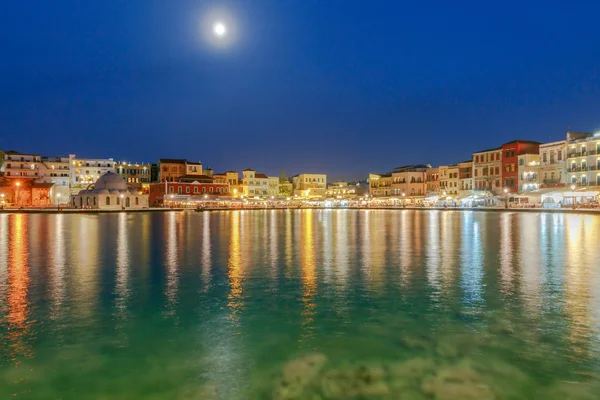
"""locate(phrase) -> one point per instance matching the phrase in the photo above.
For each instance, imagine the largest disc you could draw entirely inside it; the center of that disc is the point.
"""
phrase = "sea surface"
(300, 304)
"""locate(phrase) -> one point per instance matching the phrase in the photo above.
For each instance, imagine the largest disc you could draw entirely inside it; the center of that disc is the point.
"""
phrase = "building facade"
(583, 159)
(136, 175)
(432, 181)
(452, 182)
(57, 170)
(85, 171)
(529, 172)
(253, 184)
(510, 161)
(21, 166)
(552, 171)
(487, 174)
(110, 192)
(188, 188)
(409, 180)
(310, 185)
(171, 169)
(273, 184)
(380, 185)
(465, 177)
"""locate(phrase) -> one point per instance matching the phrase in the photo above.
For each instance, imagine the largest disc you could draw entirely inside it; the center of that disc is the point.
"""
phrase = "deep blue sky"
(340, 86)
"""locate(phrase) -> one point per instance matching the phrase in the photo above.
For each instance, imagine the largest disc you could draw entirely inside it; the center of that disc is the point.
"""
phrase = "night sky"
(337, 86)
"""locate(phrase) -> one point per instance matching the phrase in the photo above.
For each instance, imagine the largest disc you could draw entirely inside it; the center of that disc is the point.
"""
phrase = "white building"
(552, 171)
(85, 171)
(529, 172)
(583, 159)
(57, 170)
(16, 165)
(110, 192)
(253, 184)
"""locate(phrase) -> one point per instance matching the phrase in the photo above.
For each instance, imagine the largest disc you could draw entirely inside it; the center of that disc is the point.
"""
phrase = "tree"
(282, 177)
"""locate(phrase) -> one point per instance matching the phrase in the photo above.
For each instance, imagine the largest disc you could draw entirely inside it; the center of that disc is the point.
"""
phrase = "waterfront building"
(154, 173)
(171, 169)
(57, 170)
(510, 161)
(432, 181)
(529, 172)
(85, 171)
(380, 185)
(552, 171)
(253, 184)
(136, 175)
(465, 178)
(409, 180)
(273, 186)
(443, 170)
(487, 174)
(17, 192)
(188, 188)
(309, 185)
(452, 182)
(110, 192)
(344, 190)
(583, 159)
(21, 166)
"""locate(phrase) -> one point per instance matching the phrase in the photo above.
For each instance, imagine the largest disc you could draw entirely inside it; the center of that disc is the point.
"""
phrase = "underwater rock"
(365, 381)
(455, 382)
(417, 368)
(572, 391)
(298, 375)
(415, 342)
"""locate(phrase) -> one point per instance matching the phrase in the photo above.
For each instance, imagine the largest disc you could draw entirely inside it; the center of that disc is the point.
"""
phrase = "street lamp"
(505, 197)
(2, 201)
(122, 203)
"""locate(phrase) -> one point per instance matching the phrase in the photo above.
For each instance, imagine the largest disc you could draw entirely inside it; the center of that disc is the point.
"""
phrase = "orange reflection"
(309, 278)
(172, 262)
(18, 281)
(235, 273)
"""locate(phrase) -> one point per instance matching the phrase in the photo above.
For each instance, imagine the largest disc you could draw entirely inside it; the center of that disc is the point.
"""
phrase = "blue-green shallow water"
(300, 305)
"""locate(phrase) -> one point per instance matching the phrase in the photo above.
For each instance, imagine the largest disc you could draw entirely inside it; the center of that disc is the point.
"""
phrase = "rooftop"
(485, 151)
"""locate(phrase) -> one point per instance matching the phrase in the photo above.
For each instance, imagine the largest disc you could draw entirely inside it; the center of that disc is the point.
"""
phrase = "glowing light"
(219, 29)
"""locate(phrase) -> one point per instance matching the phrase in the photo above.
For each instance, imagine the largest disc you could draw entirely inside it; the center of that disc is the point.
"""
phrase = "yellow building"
(309, 185)
(380, 185)
(409, 180)
(136, 175)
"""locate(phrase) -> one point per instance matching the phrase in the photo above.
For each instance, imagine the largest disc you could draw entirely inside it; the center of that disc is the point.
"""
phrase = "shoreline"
(163, 210)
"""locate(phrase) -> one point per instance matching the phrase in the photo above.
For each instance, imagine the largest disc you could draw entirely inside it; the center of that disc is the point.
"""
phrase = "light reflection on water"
(179, 301)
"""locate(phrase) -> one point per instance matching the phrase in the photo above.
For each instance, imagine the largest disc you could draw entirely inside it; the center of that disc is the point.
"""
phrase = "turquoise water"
(302, 304)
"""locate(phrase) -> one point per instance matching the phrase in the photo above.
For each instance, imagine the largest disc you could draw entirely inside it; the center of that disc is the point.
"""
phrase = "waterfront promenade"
(68, 210)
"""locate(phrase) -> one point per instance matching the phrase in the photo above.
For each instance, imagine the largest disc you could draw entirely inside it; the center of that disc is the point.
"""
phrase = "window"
(137, 201)
(94, 200)
(107, 201)
(187, 189)
(170, 189)
(522, 162)
(127, 202)
(204, 190)
(179, 190)
(118, 200)
(497, 170)
(210, 189)
(512, 167)
(195, 189)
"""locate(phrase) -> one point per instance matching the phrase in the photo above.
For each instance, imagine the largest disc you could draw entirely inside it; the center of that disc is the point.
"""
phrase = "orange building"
(510, 161)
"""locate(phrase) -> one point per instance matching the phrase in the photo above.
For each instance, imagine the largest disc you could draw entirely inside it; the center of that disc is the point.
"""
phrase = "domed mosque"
(110, 192)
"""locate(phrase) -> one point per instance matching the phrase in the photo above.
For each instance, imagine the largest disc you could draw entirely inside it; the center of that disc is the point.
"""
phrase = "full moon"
(219, 29)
